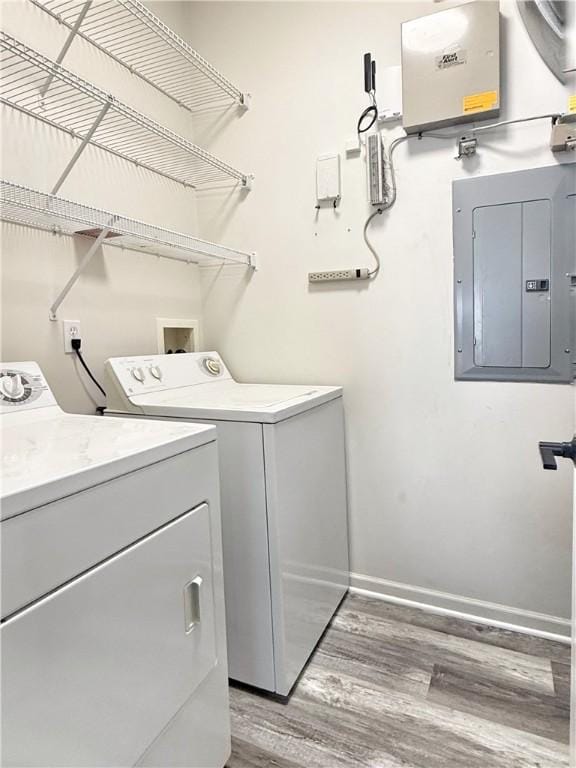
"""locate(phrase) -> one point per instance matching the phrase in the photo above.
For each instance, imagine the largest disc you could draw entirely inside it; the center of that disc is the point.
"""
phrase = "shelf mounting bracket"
(87, 258)
(72, 34)
(83, 144)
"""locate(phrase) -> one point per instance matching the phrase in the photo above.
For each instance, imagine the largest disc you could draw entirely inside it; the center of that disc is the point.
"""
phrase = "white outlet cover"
(328, 177)
(70, 330)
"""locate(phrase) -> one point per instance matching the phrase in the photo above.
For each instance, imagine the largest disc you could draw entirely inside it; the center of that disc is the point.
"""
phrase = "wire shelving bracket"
(87, 113)
(138, 40)
(23, 205)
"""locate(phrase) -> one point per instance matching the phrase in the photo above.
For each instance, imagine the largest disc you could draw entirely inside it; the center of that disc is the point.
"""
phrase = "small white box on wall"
(390, 94)
(328, 177)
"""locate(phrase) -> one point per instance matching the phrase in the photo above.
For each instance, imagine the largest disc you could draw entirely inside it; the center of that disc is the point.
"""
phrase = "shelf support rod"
(83, 144)
(72, 34)
(78, 271)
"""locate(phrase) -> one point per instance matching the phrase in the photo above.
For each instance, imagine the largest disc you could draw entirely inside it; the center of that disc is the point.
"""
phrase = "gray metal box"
(515, 275)
(451, 66)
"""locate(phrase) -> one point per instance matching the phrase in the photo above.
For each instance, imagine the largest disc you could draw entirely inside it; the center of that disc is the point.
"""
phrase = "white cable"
(512, 122)
(389, 162)
(388, 159)
(388, 204)
(465, 131)
(391, 173)
(391, 198)
(371, 248)
(396, 142)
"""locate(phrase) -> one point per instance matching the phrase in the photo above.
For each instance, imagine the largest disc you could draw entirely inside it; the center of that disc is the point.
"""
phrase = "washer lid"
(230, 401)
(48, 454)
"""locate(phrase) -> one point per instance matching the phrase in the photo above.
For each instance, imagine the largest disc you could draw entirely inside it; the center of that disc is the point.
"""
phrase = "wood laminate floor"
(395, 687)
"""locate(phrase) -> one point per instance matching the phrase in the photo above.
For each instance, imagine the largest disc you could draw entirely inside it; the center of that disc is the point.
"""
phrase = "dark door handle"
(549, 452)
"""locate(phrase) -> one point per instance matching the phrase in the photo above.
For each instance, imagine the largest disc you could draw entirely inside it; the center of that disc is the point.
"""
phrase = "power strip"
(339, 274)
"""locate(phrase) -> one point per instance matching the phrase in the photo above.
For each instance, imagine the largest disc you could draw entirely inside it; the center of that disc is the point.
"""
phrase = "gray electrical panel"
(515, 275)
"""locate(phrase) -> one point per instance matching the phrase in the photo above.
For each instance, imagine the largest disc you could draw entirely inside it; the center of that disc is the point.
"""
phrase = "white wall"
(121, 293)
(447, 494)
(446, 490)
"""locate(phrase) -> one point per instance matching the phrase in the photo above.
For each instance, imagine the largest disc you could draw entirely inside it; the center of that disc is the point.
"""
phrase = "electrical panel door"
(514, 258)
(512, 285)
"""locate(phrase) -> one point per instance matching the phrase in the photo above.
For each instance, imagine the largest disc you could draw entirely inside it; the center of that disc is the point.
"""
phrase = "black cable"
(89, 372)
(370, 89)
(373, 110)
(76, 347)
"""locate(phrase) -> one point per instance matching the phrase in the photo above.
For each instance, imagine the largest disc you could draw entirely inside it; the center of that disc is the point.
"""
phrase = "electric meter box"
(515, 276)
(451, 67)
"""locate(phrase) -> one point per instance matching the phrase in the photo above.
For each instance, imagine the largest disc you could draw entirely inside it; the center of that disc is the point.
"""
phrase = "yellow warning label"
(480, 102)
(572, 103)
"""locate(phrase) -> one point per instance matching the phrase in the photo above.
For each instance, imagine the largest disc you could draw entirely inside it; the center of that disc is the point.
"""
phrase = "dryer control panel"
(154, 373)
(22, 385)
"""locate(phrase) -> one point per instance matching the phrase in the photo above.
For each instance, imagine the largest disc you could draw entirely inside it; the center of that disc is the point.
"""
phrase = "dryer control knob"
(138, 374)
(13, 386)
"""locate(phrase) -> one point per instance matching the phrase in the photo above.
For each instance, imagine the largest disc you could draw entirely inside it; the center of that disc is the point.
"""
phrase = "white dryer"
(113, 627)
(284, 510)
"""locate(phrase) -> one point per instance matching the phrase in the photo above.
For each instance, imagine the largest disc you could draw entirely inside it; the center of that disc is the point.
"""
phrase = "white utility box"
(328, 178)
(451, 67)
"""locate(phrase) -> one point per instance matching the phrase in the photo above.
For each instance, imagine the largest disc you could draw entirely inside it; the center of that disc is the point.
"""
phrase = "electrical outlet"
(71, 330)
(338, 274)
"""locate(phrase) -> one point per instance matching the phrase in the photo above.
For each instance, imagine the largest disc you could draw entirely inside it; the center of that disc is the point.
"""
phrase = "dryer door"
(94, 671)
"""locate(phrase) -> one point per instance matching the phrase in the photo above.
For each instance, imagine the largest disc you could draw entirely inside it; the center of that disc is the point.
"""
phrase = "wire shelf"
(23, 205)
(137, 39)
(46, 91)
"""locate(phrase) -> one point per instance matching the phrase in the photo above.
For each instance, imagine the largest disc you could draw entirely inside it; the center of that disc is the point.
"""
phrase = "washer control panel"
(139, 375)
(22, 385)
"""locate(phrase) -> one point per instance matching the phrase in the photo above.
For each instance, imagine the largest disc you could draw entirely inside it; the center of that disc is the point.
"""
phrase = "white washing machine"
(113, 627)
(284, 510)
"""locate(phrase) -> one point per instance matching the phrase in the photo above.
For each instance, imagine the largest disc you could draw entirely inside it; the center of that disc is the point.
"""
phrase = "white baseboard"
(469, 609)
